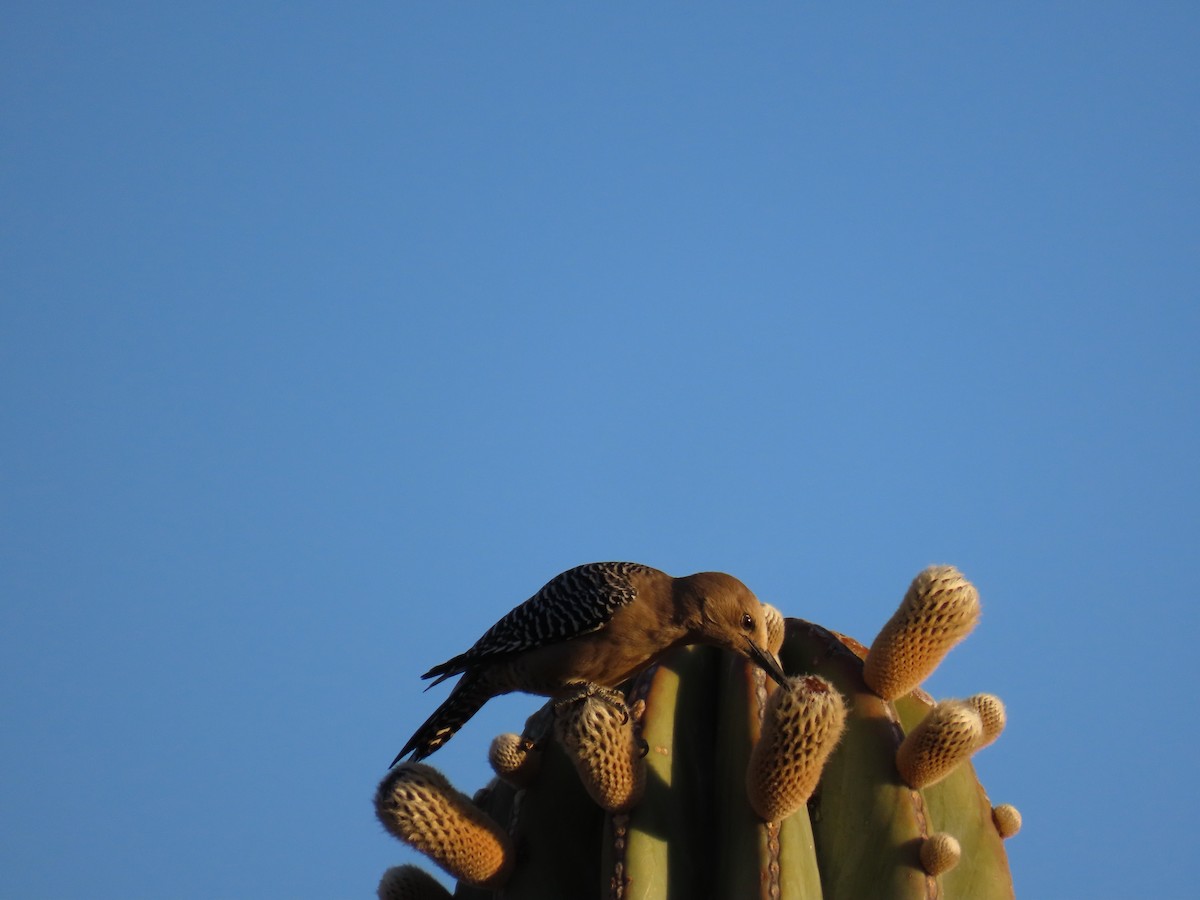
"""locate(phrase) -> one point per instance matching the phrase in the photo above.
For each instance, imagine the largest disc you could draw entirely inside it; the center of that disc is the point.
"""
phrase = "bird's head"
(724, 612)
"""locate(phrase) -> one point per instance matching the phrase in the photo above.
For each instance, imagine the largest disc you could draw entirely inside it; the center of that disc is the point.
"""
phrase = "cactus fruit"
(940, 853)
(808, 790)
(417, 804)
(515, 759)
(775, 628)
(991, 714)
(599, 739)
(1007, 819)
(802, 723)
(410, 883)
(939, 610)
(945, 737)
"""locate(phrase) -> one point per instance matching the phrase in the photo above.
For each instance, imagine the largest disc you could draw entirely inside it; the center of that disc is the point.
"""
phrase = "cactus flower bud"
(802, 723)
(419, 806)
(939, 610)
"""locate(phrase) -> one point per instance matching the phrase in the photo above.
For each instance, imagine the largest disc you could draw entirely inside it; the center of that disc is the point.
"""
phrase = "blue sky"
(329, 335)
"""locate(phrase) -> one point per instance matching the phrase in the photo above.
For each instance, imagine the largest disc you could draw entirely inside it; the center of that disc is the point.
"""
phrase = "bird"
(588, 630)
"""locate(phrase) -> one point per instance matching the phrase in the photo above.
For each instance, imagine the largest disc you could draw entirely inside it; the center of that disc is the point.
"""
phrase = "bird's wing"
(576, 602)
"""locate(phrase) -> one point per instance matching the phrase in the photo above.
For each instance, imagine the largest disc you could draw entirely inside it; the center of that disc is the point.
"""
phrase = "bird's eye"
(748, 621)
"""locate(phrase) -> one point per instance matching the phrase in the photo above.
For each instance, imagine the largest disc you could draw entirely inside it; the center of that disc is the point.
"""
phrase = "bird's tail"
(471, 692)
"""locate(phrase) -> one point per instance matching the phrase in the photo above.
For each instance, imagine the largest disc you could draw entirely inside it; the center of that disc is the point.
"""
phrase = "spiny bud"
(515, 759)
(939, 610)
(939, 853)
(945, 737)
(991, 713)
(419, 806)
(802, 723)
(410, 883)
(598, 737)
(775, 628)
(1007, 819)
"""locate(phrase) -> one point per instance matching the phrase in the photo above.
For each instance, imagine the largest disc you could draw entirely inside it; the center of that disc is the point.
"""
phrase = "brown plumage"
(594, 627)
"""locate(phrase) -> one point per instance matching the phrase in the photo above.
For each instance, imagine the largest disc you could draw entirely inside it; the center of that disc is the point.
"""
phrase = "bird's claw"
(621, 707)
(584, 692)
(616, 700)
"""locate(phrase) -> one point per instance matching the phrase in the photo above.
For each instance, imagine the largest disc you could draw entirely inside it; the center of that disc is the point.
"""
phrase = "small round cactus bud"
(410, 883)
(419, 806)
(775, 628)
(939, 610)
(945, 737)
(802, 723)
(939, 853)
(598, 737)
(637, 709)
(991, 713)
(515, 759)
(1007, 819)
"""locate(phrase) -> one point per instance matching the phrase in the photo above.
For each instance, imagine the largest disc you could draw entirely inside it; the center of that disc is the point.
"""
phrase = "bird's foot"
(539, 728)
(579, 693)
(616, 700)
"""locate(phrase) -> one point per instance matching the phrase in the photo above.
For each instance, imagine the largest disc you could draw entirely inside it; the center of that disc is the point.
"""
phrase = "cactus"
(719, 784)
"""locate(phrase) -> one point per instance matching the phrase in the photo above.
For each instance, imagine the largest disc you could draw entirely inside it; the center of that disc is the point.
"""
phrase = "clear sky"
(332, 331)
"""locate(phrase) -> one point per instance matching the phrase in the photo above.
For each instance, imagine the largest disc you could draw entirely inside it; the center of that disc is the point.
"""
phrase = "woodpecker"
(590, 629)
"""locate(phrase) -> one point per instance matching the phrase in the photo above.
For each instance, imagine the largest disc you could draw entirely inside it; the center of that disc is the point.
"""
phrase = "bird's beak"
(765, 661)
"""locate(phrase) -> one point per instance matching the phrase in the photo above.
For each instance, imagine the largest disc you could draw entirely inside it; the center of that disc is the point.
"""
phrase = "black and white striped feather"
(578, 601)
